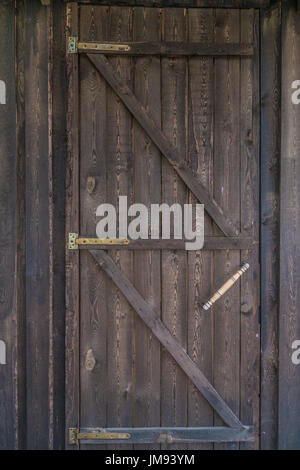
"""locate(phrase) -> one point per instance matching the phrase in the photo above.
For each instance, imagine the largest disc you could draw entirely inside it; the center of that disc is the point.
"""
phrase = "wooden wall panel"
(289, 324)
(270, 174)
(38, 241)
(10, 261)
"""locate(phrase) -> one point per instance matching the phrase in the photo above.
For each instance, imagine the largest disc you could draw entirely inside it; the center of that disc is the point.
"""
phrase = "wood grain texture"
(270, 178)
(250, 164)
(119, 172)
(147, 190)
(38, 227)
(200, 133)
(58, 121)
(165, 145)
(171, 49)
(72, 225)
(187, 3)
(227, 195)
(289, 325)
(174, 263)
(93, 299)
(8, 232)
(167, 339)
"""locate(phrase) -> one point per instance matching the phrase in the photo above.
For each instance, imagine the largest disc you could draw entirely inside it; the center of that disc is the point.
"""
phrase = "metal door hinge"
(75, 435)
(75, 46)
(74, 241)
(72, 45)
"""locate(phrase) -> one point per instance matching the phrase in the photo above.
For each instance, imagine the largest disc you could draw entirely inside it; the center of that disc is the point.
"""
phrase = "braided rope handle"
(225, 287)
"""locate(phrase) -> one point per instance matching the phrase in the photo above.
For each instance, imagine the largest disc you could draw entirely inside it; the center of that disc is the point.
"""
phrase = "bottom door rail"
(159, 435)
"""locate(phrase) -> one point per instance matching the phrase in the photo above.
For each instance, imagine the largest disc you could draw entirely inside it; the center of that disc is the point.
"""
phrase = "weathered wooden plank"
(270, 164)
(163, 143)
(147, 190)
(173, 190)
(72, 224)
(249, 137)
(227, 195)
(38, 227)
(119, 182)
(20, 325)
(210, 243)
(289, 324)
(172, 49)
(58, 118)
(166, 338)
(8, 230)
(171, 435)
(200, 135)
(93, 179)
(186, 3)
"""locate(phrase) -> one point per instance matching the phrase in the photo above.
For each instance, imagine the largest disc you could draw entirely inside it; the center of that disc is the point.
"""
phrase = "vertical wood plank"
(8, 228)
(72, 225)
(20, 325)
(200, 133)
(38, 228)
(93, 327)
(250, 164)
(270, 176)
(289, 324)
(58, 117)
(227, 194)
(119, 173)
(147, 189)
(174, 263)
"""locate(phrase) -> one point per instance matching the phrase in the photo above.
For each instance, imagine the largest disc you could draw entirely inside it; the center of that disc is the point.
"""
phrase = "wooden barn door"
(163, 107)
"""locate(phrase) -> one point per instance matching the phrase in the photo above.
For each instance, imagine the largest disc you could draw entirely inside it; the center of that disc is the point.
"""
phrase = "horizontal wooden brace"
(210, 243)
(180, 3)
(171, 49)
(167, 435)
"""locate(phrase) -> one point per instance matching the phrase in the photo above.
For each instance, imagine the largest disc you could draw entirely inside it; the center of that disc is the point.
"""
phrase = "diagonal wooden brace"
(190, 178)
(166, 338)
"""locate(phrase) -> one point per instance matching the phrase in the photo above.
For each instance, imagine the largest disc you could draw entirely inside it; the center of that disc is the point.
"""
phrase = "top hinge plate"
(72, 45)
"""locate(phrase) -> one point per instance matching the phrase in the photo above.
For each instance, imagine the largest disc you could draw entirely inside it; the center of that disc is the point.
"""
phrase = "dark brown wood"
(165, 337)
(147, 264)
(250, 144)
(174, 49)
(8, 233)
(58, 117)
(119, 165)
(93, 301)
(38, 227)
(20, 293)
(289, 325)
(72, 224)
(172, 435)
(270, 174)
(200, 263)
(185, 3)
(174, 264)
(210, 243)
(227, 183)
(163, 143)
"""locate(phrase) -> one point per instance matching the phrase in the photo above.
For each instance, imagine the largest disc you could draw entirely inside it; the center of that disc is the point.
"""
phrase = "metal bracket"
(72, 45)
(74, 241)
(75, 435)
